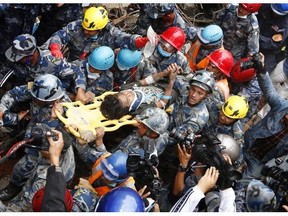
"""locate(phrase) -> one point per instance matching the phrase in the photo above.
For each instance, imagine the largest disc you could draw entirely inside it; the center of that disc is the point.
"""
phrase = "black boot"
(10, 191)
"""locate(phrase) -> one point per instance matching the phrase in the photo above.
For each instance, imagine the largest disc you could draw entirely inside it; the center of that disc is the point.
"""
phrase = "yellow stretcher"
(78, 117)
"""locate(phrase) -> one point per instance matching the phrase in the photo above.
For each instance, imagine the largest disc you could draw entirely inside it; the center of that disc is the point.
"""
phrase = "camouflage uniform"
(72, 35)
(134, 144)
(252, 92)
(101, 84)
(144, 21)
(157, 63)
(55, 19)
(47, 64)
(241, 35)
(234, 130)
(18, 19)
(184, 117)
(121, 77)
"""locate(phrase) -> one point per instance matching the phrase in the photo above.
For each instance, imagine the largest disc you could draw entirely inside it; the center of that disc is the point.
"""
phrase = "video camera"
(206, 150)
(277, 169)
(142, 169)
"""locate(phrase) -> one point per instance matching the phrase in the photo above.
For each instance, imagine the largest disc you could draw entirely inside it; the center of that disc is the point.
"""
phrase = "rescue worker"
(29, 173)
(160, 16)
(36, 61)
(167, 51)
(220, 64)
(273, 22)
(84, 35)
(151, 133)
(243, 82)
(189, 113)
(99, 78)
(125, 69)
(205, 41)
(244, 40)
(225, 118)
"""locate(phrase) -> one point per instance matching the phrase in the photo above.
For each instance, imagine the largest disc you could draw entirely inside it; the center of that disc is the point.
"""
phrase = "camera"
(206, 150)
(142, 169)
(183, 136)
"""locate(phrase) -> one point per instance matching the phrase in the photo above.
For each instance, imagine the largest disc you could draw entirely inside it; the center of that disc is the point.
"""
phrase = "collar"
(139, 97)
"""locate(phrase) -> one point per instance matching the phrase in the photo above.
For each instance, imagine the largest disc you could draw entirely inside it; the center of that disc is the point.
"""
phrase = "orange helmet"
(223, 59)
(175, 36)
(254, 7)
(243, 70)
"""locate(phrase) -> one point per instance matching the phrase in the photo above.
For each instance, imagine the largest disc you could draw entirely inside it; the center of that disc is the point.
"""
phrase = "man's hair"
(112, 108)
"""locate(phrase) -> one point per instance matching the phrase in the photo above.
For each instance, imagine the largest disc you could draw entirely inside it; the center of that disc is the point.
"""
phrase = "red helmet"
(223, 59)
(243, 70)
(174, 36)
(254, 7)
(38, 196)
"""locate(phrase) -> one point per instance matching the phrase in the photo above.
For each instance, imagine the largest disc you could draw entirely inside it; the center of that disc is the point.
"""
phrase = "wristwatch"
(181, 168)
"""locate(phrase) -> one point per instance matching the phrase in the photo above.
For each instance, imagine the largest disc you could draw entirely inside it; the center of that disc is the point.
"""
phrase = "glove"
(258, 65)
(55, 50)
(87, 135)
(140, 42)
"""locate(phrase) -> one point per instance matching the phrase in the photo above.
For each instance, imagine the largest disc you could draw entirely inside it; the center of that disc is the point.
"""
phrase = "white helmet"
(231, 146)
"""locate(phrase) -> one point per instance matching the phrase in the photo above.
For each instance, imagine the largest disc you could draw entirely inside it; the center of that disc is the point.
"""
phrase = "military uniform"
(72, 35)
(184, 117)
(157, 63)
(241, 35)
(97, 85)
(144, 21)
(234, 130)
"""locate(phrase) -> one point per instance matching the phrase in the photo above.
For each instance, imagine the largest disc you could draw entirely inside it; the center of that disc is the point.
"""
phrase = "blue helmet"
(127, 58)
(114, 166)
(158, 10)
(121, 199)
(102, 58)
(260, 197)
(280, 9)
(210, 35)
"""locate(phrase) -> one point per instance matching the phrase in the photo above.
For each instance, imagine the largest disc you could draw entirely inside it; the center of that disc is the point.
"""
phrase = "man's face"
(218, 75)
(90, 33)
(143, 130)
(242, 11)
(224, 120)
(195, 95)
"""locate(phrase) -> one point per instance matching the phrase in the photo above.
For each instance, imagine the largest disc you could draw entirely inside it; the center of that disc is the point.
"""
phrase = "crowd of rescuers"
(209, 109)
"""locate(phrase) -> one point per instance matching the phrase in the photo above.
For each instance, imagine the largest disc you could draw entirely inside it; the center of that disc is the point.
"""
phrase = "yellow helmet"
(95, 18)
(236, 107)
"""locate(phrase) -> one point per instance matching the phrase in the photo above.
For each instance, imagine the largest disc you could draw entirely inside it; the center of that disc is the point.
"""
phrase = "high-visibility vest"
(192, 54)
(96, 174)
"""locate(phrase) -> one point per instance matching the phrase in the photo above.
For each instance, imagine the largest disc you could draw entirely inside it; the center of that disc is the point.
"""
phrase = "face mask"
(120, 67)
(91, 75)
(94, 37)
(163, 52)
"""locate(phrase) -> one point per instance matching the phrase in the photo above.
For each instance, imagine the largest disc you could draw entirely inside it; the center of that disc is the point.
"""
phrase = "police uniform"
(241, 35)
(72, 35)
(234, 130)
(144, 21)
(100, 84)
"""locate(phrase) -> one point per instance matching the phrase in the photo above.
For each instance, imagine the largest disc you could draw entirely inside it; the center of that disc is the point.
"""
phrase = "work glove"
(258, 65)
(140, 42)
(55, 50)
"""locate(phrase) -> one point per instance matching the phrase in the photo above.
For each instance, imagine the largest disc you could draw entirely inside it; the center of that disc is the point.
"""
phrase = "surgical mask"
(91, 75)
(120, 67)
(163, 52)
(95, 37)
